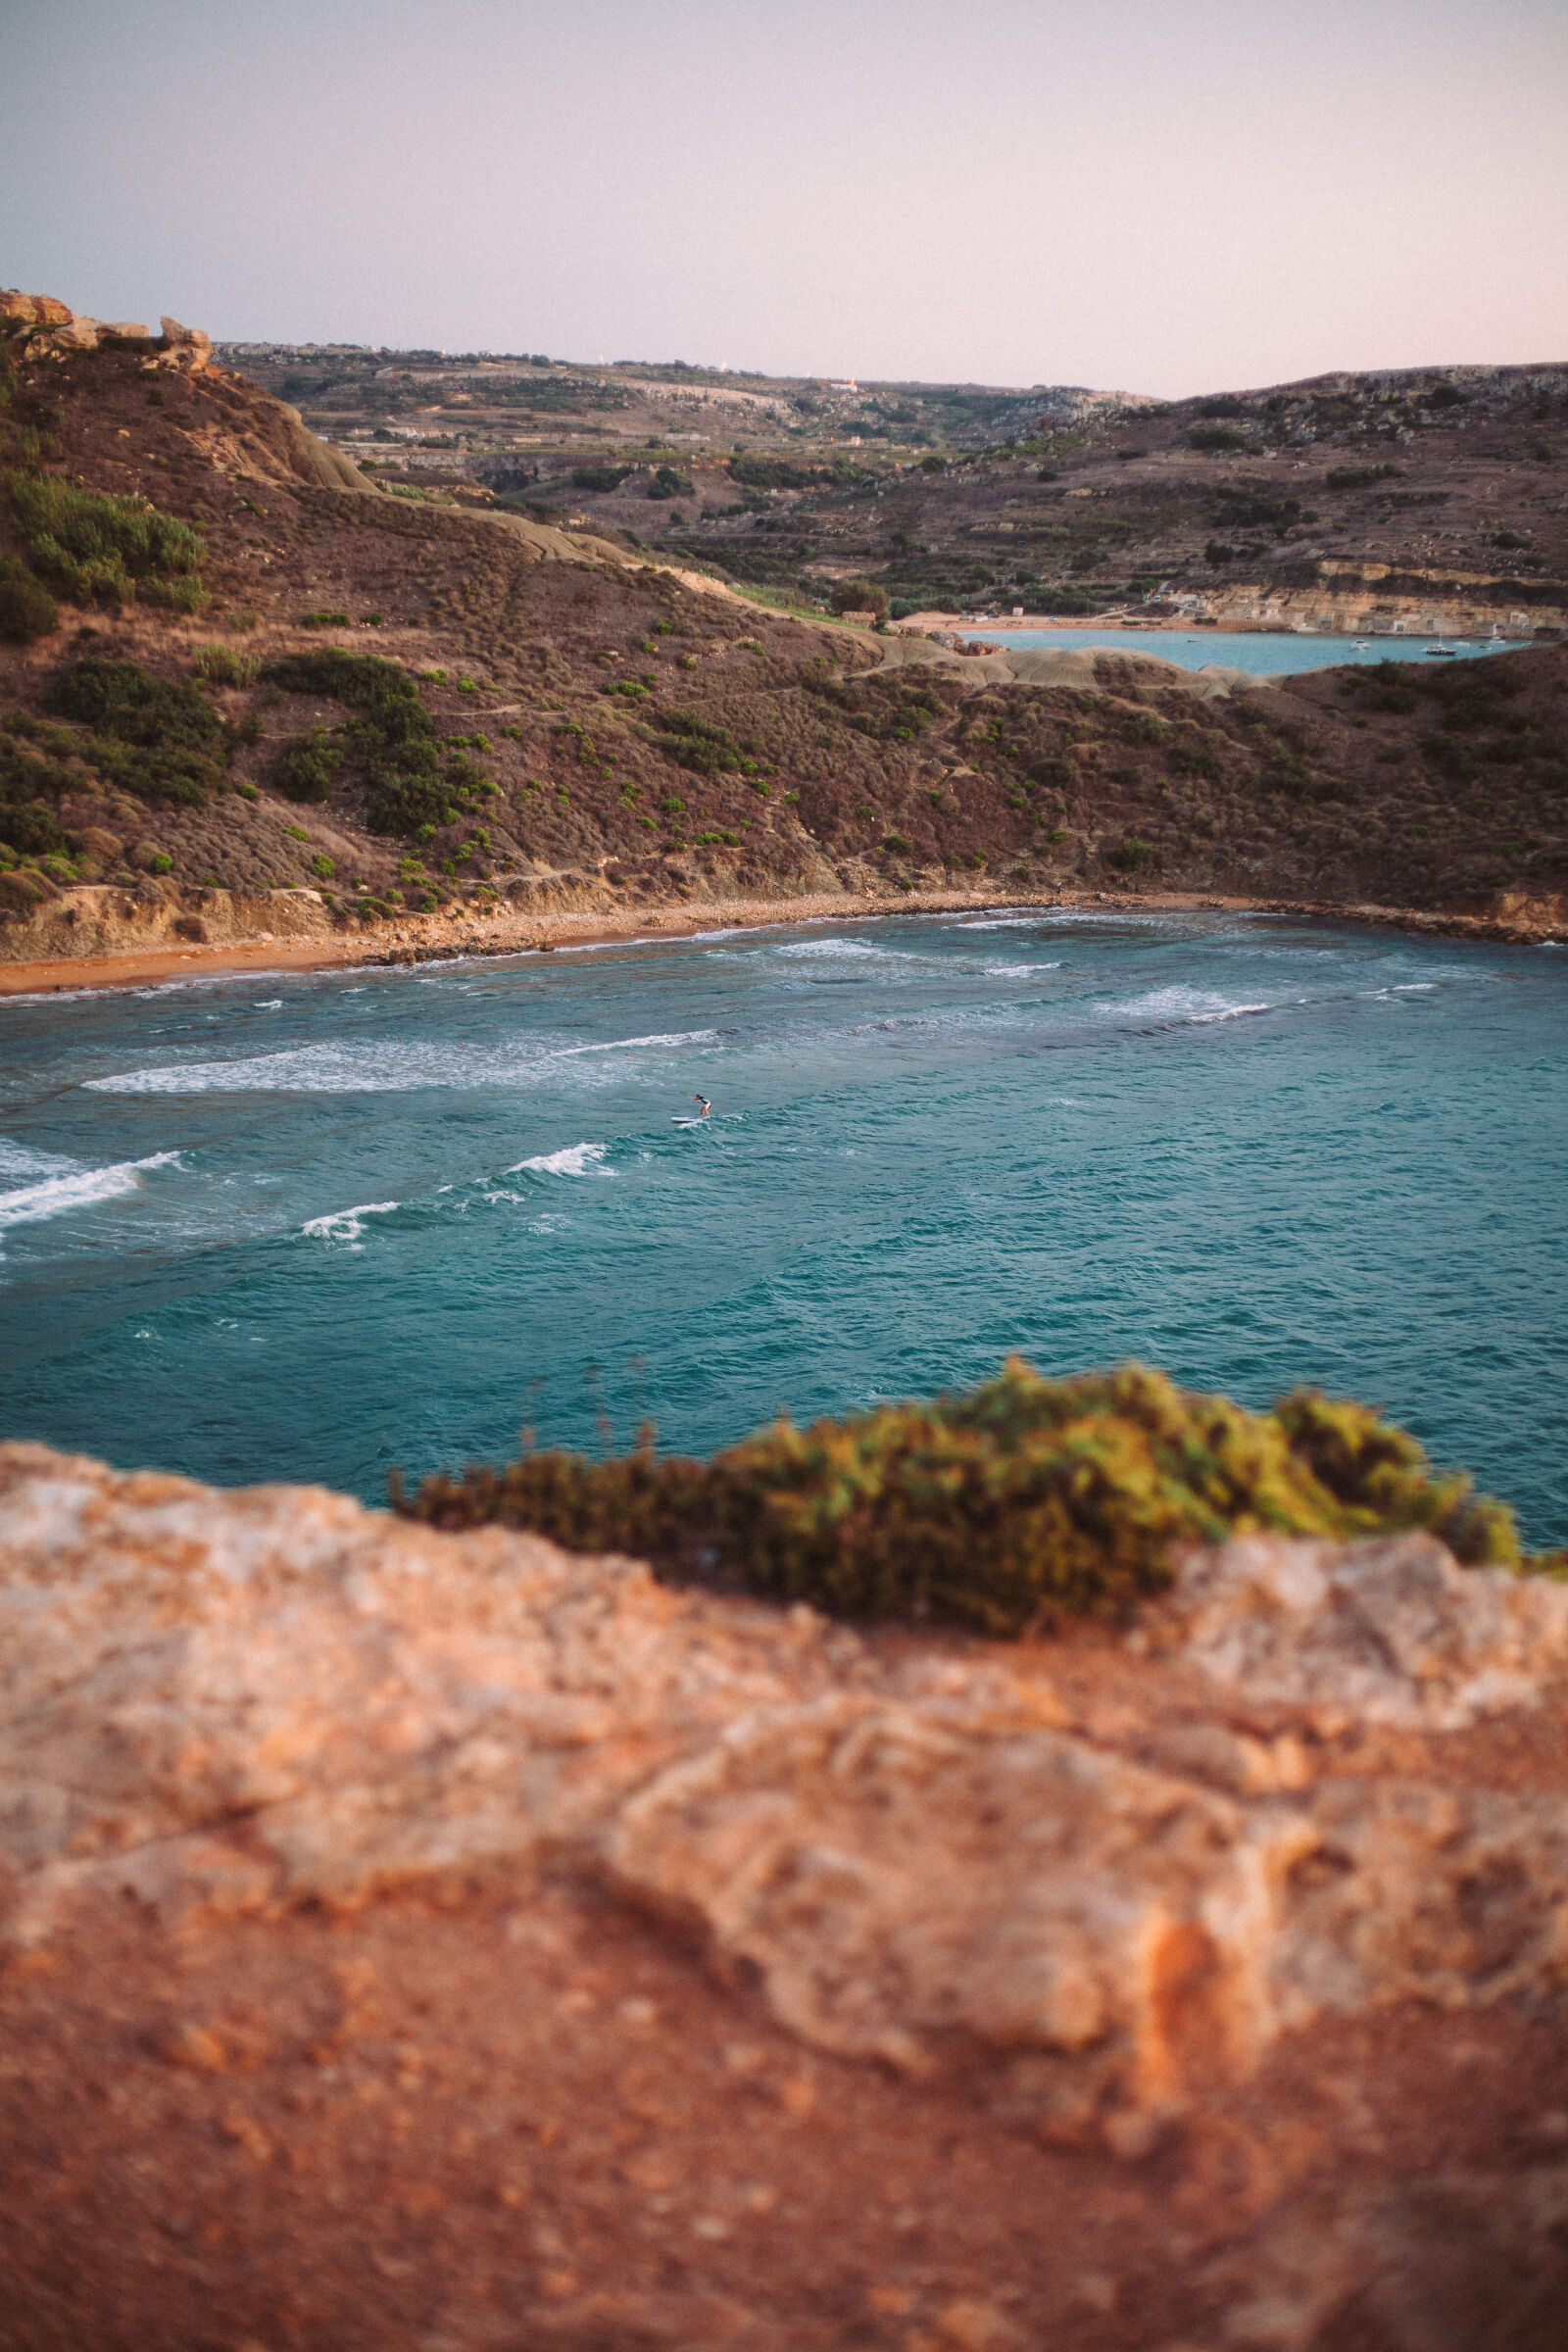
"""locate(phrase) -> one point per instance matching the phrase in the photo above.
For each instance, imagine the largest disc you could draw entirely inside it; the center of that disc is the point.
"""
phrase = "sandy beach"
(1528, 921)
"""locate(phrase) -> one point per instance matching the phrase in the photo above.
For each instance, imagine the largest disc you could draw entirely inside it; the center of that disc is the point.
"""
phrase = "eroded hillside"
(248, 692)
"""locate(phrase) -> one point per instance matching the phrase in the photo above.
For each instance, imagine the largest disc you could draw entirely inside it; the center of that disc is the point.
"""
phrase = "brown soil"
(518, 2114)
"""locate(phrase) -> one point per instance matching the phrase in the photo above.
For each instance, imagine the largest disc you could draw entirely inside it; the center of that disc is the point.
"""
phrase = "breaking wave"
(379, 1069)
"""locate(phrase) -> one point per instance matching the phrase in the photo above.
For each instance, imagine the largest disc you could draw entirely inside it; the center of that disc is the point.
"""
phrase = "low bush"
(28, 826)
(310, 766)
(671, 483)
(859, 596)
(777, 473)
(28, 611)
(696, 744)
(1132, 855)
(106, 549)
(598, 477)
(1212, 438)
(221, 665)
(393, 736)
(994, 1511)
(152, 736)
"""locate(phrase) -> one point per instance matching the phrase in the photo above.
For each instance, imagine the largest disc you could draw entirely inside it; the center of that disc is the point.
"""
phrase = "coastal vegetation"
(993, 1509)
(392, 737)
(106, 549)
(150, 736)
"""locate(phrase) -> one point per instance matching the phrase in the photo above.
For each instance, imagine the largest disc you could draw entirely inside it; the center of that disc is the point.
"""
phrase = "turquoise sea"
(309, 1227)
(1264, 652)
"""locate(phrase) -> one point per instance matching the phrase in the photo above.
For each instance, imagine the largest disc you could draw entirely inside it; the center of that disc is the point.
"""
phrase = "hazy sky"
(1135, 193)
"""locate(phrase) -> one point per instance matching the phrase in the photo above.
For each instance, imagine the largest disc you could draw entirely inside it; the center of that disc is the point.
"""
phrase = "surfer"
(704, 1106)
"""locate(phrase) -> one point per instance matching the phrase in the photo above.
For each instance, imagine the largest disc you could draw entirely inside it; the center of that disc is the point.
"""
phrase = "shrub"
(163, 741)
(993, 1509)
(310, 766)
(1359, 478)
(896, 843)
(1246, 509)
(772, 474)
(859, 596)
(1212, 438)
(28, 611)
(598, 477)
(393, 735)
(104, 550)
(325, 620)
(1128, 856)
(671, 483)
(693, 743)
(221, 665)
(28, 826)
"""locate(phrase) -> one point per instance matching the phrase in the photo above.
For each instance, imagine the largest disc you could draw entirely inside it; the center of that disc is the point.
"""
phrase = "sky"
(1133, 194)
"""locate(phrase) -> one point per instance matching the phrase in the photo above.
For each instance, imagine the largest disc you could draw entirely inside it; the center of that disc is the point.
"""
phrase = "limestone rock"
(910, 1863)
(1387, 1631)
(34, 309)
(188, 346)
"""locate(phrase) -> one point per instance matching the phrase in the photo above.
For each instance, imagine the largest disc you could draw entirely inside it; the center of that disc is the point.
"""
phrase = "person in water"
(704, 1106)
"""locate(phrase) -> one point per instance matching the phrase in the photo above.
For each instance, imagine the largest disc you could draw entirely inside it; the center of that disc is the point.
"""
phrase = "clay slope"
(604, 734)
(443, 1940)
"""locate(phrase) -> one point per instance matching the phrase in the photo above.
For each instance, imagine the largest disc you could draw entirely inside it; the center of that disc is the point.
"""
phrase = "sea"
(1266, 654)
(322, 1226)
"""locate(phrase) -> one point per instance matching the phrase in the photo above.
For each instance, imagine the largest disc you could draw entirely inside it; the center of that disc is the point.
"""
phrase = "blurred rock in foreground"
(442, 1941)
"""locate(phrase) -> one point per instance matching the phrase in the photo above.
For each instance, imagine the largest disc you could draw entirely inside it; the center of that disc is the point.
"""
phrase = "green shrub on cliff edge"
(992, 1509)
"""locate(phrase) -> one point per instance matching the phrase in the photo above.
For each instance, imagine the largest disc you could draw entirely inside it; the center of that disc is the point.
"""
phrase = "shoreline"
(1525, 924)
(1030, 624)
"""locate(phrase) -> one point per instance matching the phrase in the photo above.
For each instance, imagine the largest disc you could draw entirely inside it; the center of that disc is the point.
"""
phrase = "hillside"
(267, 696)
(1430, 495)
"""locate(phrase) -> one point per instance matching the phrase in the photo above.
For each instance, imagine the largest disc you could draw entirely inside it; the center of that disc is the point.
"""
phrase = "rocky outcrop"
(1100, 1891)
(41, 921)
(49, 327)
(904, 1854)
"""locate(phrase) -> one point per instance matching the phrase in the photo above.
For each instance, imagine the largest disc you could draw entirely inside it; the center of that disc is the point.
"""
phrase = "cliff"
(445, 1941)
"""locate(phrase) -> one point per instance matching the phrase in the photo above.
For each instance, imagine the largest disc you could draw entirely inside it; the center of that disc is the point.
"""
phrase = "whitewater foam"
(574, 1159)
(855, 948)
(347, 1224)
(1175, 1007)
(71, 1187)
(391, 1069)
